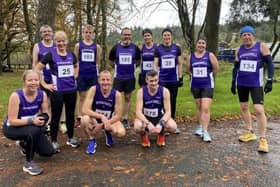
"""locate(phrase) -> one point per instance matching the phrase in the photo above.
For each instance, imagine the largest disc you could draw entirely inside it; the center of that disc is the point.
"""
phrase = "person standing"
(25, 124)
(88, 53)
(168, 63)
(153, 113)
(202, 66)
(64, 70)
(247, 77)
(125, 56)
(147, 56)
(102, 110)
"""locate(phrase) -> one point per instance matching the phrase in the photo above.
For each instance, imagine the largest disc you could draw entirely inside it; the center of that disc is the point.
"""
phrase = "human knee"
(259, 110)
(138, 125)
(85, 120)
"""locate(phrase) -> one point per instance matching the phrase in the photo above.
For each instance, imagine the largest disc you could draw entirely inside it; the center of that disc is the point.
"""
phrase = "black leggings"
(34, 138)
(173, 90)
(57, 100)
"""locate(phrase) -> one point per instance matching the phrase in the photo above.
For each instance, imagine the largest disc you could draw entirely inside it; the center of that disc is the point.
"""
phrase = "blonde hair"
(27, 72)
(60, 35)
(89, 27)
(45, 27)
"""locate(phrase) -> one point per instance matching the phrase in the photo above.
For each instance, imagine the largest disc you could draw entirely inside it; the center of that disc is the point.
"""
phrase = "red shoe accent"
(161, 140)
(145, 140)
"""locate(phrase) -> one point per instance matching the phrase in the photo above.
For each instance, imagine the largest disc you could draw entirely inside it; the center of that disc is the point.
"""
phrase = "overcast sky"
(162, 16)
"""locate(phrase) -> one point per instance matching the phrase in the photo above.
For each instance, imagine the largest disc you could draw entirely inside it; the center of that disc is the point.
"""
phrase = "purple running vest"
(87, 60)
(42, 52)
(28, 109)
(153, 104)
(147, 58)
(62, 71)
(168, 63)
(250, 72)
(104, 105)
(125, 61)
(201, 69)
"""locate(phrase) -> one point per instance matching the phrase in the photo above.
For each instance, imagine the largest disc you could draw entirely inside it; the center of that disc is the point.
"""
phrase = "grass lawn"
(225, 106)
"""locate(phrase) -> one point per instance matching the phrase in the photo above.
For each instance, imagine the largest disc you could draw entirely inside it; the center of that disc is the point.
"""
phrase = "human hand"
(268, 86)
(181, 82)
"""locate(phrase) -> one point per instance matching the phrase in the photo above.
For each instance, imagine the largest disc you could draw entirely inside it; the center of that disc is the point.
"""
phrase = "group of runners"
(101, 108)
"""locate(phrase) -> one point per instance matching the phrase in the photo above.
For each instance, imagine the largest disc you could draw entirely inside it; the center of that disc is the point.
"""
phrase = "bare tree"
(45, 15)
(212, 24)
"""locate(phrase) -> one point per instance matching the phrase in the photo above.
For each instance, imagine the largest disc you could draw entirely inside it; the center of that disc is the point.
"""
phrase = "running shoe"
(206, 137)
(177, 131)
(145, 140)
(73, 142)
(248, 136)
(263, 145)
(126, 124)
(32, 168)
(56, 147)
(91, 147)
(161, 140)
(199, 131)
(109, 138)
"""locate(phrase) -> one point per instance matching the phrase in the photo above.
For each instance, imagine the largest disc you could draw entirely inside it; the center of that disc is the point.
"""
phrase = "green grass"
(225, 105)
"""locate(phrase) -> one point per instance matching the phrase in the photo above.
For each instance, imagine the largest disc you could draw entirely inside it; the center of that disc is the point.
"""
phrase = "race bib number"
(151, 112)
(147, 65)
(87, 57)
(200, 72)
(248, 65)
(65, 71)
(106, 113)
(125, 59)
(168, 63)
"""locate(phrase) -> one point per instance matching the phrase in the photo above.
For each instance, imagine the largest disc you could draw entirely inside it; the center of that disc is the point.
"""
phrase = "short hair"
(166, 30)
(88, 26)
(60, 34)
(27, 72)
(151, 73)
(45, 26)
(125, 28)
(201, 38)
(147, 31)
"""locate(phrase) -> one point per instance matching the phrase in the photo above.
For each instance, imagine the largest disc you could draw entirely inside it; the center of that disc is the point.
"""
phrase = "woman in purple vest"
(64, 70)
(168, 63)
(23, 122)
(88, 54)
(147, 56)
(248, 76)
(103, 110)
(202, 66)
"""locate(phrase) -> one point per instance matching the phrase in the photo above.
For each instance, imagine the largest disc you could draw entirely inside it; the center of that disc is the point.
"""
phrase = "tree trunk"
(45, 15)
(103, 34)
(212, 24)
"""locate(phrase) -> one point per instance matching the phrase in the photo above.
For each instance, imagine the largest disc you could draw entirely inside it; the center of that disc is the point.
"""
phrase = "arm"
(76, 67)
(156, 60)
(267, 58)
(215, 64)
(139, 106)
(76, 50)
(118, 109)
(166, 103)
(45, 104)
(112, 55)
(35, 53)
(98, 54)
(188, 65)
(138, 56)
(180, 62)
